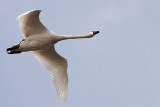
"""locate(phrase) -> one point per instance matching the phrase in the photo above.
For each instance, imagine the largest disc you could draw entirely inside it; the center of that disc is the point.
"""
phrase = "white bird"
(40, 41)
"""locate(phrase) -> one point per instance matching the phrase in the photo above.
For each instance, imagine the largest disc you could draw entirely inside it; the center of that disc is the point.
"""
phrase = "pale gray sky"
(120, 67)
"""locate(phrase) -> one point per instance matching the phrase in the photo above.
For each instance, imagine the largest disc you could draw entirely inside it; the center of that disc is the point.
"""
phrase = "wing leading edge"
(57, 65)
(30, 23)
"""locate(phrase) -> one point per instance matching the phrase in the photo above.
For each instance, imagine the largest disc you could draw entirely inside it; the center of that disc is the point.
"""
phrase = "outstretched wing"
(57, 65)
(30, 24)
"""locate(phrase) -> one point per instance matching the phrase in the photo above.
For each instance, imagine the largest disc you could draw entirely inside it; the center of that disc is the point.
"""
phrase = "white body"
(40, 41)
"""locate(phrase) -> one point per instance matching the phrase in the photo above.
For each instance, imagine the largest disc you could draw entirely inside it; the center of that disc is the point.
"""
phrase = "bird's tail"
(13, 49)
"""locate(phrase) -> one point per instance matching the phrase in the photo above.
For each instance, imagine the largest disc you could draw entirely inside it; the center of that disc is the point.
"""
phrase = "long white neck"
(89, 35)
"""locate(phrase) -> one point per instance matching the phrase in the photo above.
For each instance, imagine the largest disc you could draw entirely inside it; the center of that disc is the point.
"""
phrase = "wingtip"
(63, 98)
(34, 10)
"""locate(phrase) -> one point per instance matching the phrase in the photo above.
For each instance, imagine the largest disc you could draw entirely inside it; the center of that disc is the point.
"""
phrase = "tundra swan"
(40, 40)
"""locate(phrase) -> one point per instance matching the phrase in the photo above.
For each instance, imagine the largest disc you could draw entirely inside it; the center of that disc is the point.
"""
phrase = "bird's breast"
(38, 42)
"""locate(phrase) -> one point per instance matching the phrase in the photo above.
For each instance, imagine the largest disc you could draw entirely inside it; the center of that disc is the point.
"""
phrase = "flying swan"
(40, 40)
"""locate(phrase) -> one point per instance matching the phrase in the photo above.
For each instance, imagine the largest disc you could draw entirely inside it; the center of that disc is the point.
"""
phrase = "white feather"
(40, 41)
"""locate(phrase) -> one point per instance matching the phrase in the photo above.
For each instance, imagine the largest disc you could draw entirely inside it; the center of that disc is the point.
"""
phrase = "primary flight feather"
(40, 41)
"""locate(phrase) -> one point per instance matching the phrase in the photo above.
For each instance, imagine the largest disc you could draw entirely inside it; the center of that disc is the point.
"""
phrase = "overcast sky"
(120, 67)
